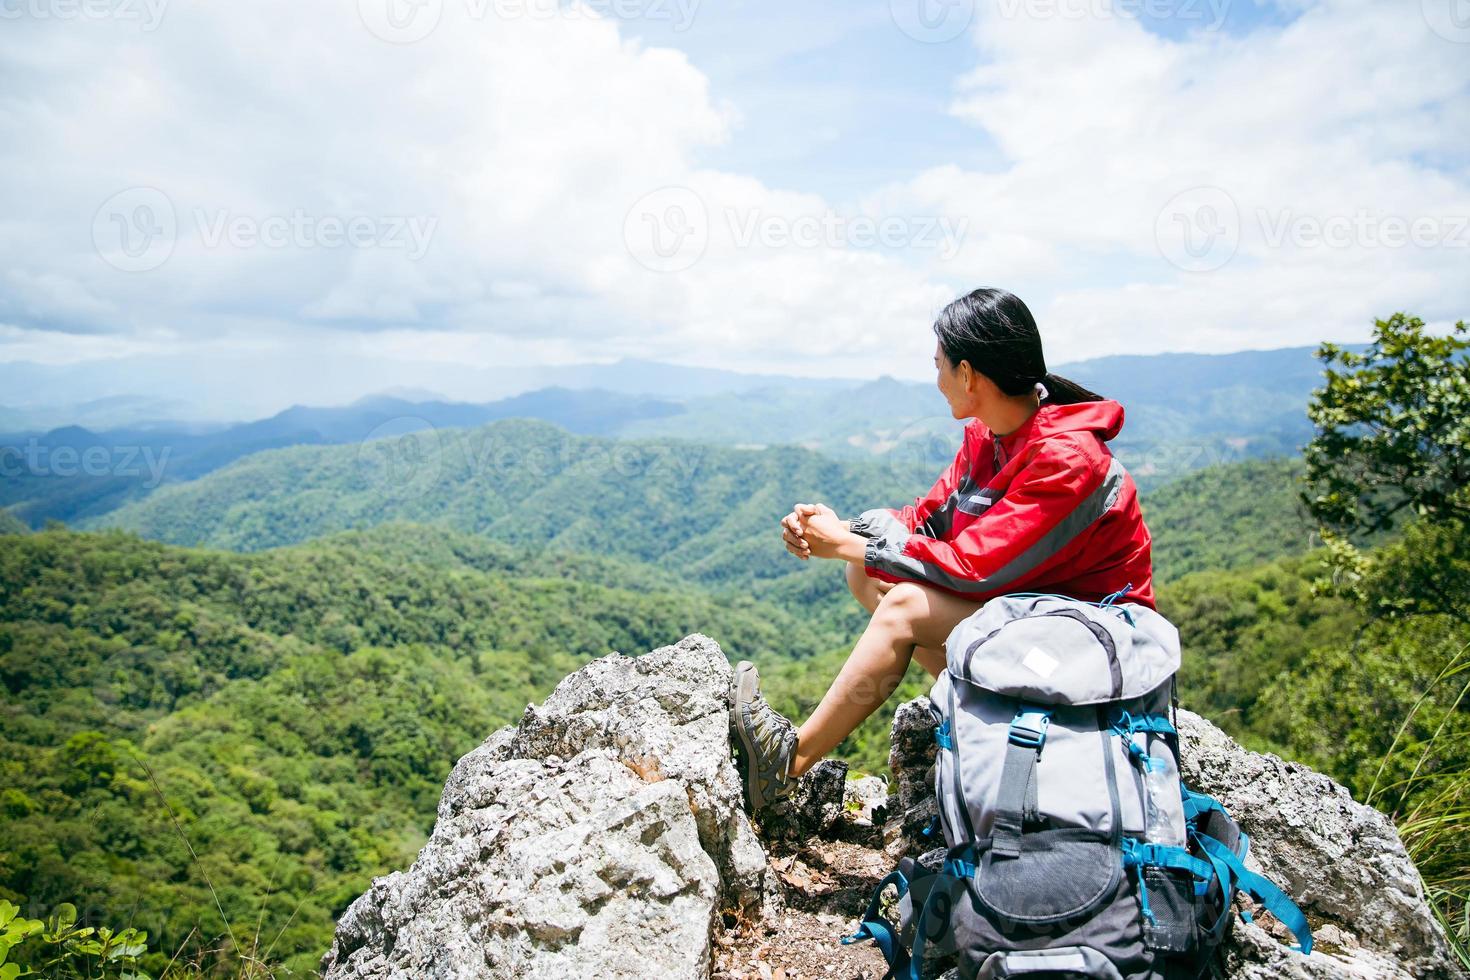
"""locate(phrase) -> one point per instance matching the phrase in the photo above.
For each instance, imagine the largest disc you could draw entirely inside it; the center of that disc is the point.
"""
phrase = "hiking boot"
(766, 738)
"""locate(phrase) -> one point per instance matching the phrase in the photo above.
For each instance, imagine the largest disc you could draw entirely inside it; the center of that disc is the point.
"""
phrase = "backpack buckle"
(1028, 729)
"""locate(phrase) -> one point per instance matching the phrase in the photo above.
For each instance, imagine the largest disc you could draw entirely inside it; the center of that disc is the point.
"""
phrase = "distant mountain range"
(37, 397)
(1185, 411)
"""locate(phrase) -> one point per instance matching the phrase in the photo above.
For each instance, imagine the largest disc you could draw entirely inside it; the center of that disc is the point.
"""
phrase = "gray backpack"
(1073, 849)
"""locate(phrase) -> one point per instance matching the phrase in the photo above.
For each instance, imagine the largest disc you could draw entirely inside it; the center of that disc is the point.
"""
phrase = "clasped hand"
(815, 529)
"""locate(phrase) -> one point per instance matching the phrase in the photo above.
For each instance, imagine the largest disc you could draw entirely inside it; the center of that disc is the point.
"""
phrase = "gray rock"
(666, 713)
(813, 810)
(911, 761)
(1341, 861)
(865, 799)
(599, 837)
(591, 871)
(864, 810)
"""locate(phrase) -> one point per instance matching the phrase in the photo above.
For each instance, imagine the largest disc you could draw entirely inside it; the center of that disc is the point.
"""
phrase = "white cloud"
(523, 141)
(1339, 130)
(527, 144)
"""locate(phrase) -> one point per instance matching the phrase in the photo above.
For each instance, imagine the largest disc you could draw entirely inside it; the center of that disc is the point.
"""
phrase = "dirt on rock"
(826, 886)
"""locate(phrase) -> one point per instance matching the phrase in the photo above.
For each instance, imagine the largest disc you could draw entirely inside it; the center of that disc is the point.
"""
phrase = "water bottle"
(1158, 828)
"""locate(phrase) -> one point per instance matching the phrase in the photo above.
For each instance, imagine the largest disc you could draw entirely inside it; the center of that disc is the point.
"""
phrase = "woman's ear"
(969, 377)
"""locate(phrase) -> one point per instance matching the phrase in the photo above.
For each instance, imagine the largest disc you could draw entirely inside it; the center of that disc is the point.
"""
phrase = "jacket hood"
(1102, 418)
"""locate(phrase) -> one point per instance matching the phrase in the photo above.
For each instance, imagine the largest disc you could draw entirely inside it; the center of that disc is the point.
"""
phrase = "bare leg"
(908, 615)
(868, 591)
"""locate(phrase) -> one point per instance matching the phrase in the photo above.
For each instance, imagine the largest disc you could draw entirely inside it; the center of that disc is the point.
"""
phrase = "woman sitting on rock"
(1033, 502)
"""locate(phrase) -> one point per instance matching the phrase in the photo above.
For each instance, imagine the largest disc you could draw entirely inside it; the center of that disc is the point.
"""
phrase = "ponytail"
(1060, 391)
(995, 332)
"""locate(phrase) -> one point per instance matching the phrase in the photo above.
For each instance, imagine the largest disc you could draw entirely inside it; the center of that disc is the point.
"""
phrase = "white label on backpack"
(1038, 661)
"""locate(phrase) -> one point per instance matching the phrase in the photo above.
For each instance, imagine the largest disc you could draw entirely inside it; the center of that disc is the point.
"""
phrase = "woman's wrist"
(853, 548)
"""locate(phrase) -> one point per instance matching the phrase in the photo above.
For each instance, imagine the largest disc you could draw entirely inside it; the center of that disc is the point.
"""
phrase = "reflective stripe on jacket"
(1044, 509)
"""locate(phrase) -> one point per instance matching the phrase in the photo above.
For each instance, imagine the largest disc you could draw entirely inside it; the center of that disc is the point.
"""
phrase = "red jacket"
(1044, 509)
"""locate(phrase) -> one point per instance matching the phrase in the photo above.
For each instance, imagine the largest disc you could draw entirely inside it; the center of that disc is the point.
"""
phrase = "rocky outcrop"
(1341, 861)
(600, 837)
(603, 836)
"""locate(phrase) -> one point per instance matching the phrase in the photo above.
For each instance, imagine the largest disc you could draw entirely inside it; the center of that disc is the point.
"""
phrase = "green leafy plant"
(60, 950)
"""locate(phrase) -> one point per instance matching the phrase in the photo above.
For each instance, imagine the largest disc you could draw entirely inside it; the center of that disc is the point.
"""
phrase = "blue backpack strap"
(1126, 725)
(956, 869)
(1139, 854)
(942, 736)
(1262, 890)
(883, 933)
(1196, 804)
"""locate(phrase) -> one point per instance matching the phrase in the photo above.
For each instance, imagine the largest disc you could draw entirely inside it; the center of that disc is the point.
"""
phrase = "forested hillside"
(1229, 516)
(72, 473)
(290, 706)
(10, 524)
(706, 512)
(298, 709)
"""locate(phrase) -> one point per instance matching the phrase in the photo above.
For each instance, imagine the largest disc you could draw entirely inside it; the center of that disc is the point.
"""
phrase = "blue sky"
(834, 100)
(796, 188)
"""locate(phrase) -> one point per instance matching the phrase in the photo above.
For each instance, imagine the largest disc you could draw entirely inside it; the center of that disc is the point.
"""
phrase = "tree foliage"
(1393, 430)
(198, 744)
(1386, 712)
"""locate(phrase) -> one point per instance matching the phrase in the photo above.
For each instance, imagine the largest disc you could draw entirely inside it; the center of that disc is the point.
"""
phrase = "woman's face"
(952, 381)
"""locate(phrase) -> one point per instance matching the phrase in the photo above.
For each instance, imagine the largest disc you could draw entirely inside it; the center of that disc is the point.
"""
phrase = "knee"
(905, 602)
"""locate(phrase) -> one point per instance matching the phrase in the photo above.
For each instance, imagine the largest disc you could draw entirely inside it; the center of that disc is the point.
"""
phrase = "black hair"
(996, 333)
